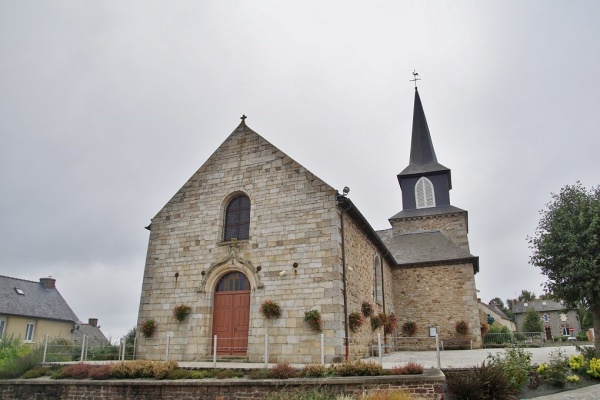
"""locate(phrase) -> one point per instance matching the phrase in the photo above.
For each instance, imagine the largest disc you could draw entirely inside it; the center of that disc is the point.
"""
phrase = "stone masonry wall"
(429, 386)
(438, 296)
(455, 226)
(360, 257)
(293, 219)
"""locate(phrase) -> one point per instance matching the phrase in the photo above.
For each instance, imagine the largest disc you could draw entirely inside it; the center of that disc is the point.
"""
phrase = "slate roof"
(537, 305)
(93, 335)
(428, 247)
(36, 301)
(422, 153)
(495, 310)
(421, 212)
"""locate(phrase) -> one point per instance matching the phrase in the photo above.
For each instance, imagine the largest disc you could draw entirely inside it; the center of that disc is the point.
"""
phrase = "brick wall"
(430, 385)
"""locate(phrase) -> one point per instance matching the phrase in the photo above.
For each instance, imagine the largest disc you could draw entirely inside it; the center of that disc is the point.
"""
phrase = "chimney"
(93, 322)
(49, 283)
(479, 299)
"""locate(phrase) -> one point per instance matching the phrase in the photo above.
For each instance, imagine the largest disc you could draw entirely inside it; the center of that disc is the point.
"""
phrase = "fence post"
(379, 348)
(266, 350)
(82, 349)
(122, 350)
(437, 350)
(322, 349)
(215, 353)
(45, 347)
(167, 349)
(133, 353)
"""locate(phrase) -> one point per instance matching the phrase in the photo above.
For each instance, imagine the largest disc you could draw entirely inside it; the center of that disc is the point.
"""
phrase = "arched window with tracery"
(237, 219)
(424, 193)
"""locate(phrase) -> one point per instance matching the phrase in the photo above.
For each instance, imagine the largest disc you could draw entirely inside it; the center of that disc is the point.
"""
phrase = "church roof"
(422, 153)
(428, 211)
(429, 247)
(346, 205)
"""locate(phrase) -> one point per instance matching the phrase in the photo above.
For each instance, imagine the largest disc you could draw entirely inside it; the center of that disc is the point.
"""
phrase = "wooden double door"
(231, 315)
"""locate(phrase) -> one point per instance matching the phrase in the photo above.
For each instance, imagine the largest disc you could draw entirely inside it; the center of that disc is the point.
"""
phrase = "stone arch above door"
(233, 262)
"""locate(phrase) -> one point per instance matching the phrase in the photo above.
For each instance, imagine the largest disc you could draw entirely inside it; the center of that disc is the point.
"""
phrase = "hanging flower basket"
(376, 322)
(313, 319)
(181, 311)
(462, 327)
(409, 328)
(270, 310)
(367, 309)
(148, 327)
(355, 321)
(389, 324)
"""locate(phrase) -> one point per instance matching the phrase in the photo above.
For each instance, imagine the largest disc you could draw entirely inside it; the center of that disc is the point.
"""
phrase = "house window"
(546, 318)
(237, 219)
(29, 331)
(2, 325)
(378, 292)
(424, 193)
(565, 330)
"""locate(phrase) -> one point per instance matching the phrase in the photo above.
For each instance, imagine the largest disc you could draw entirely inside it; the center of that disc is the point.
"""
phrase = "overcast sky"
(107, 108)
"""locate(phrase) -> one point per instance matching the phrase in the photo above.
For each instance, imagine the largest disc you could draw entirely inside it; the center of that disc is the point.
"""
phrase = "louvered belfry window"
(237, 219)
(424, 193)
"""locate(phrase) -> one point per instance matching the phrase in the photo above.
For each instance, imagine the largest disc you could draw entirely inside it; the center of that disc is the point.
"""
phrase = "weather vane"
(415, 79)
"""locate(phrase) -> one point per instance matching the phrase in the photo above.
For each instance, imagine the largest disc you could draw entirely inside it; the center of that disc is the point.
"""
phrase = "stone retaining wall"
(430, 385)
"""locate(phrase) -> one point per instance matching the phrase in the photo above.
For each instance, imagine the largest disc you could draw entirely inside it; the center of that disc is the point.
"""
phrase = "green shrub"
(516, 363)
(464, 385)
(302, 394)
(582, 336)
(142, 369)
(24, 358)
(558, 369)
(594, 368)
(36, 372)
(259, 374)
(478, 383)
(410, 368)
(357, 368)
(100, 372)
(180, 373)
(228, 374)
(315, 371)
(282, 371)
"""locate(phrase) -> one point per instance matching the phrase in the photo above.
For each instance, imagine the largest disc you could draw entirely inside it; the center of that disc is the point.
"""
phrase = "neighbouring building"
(557, 320)
(252, 224)
(30, 310)
(494, 311)
(93, 335)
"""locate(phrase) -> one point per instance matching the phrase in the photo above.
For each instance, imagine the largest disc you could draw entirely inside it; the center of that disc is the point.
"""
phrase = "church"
(253, 228)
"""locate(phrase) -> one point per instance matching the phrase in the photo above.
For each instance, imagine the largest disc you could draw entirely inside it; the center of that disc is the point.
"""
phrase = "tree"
(533, 322)
(566, 247)
(526, 295)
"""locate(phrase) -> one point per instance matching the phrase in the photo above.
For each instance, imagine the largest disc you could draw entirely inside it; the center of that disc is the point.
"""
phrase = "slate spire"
(423, 164)
(422, 153)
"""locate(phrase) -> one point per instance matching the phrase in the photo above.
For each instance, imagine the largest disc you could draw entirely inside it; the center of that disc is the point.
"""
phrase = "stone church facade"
(253, 225)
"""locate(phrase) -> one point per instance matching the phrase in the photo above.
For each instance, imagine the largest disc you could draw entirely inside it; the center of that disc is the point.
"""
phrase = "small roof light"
(19, 291)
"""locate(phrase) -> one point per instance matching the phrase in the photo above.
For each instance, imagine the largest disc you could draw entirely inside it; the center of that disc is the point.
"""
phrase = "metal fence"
(337, 349)
(523, 339)
(65, 349)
